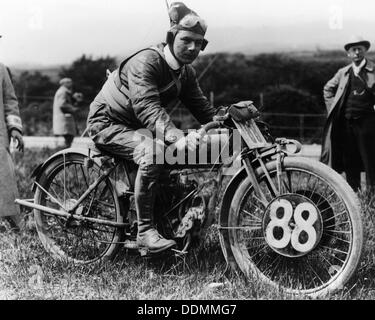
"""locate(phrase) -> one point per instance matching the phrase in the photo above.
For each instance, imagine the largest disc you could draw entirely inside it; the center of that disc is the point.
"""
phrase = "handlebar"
(221, 118)
(216, 123)
(208, 126)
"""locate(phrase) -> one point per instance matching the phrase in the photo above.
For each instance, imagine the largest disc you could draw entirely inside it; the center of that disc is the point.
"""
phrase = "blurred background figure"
(65, 105)
(10, 128)
(78, 103)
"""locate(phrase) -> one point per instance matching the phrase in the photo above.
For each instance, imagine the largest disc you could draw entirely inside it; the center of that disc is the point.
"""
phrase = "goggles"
(191, 22)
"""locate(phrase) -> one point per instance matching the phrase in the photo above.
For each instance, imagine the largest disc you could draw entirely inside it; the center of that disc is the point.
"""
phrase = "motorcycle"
(291, 222)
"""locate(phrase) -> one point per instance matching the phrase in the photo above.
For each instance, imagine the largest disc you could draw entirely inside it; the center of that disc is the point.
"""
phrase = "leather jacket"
(137, 93)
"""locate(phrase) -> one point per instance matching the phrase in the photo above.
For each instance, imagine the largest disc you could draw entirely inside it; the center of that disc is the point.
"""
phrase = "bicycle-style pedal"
(145, 252)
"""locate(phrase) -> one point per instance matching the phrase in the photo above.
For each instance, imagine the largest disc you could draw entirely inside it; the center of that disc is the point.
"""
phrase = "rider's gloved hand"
(173, 135)
(191, 141)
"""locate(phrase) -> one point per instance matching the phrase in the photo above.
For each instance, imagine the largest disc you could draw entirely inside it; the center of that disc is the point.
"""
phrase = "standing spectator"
(349, 134)
(63, 112)
(10, 128)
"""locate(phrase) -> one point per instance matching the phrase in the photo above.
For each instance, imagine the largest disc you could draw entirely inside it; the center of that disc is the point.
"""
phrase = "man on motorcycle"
(135, 96)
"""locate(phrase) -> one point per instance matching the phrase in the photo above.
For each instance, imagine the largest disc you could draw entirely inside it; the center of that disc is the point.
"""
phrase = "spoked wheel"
(306, 239)
(82, 242)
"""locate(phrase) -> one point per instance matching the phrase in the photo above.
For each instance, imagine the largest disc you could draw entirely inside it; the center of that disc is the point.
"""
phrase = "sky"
(48, 32)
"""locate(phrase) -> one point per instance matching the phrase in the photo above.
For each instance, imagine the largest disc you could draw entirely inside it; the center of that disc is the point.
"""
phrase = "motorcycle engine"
(178, 215)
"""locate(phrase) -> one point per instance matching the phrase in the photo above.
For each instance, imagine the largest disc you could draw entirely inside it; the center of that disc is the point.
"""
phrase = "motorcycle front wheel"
(305, 237)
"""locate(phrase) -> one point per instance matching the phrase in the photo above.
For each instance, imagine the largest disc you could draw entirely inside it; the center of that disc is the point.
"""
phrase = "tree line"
(281, 83)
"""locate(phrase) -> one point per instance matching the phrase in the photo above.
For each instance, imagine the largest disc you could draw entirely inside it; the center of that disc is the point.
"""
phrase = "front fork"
(278, 153)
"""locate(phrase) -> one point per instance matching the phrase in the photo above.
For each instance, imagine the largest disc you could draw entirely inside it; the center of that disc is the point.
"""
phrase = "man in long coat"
(63, 112)
(10, 127)
(349, 134)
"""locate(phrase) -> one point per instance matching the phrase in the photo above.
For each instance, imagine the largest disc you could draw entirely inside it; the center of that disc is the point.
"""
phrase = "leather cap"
(183, 18)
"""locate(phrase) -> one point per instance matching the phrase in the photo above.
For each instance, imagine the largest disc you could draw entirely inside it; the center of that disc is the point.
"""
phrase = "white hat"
(357, 41)
(65, 80)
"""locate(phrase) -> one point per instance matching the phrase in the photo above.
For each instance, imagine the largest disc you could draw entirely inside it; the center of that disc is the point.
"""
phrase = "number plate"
(292, 225)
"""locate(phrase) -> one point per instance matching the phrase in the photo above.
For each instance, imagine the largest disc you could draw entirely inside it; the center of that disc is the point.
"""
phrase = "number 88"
(301, 224)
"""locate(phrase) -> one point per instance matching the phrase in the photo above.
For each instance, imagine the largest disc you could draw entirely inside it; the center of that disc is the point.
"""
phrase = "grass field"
(28, 272)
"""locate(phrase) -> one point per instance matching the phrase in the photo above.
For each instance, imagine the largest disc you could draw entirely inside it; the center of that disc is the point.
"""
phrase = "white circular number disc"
(292, 232)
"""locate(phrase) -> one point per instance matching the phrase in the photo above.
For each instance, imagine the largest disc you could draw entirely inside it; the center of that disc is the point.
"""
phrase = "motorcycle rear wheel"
(81, 242)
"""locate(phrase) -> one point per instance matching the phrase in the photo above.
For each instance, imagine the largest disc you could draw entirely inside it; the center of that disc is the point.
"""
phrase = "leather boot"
(148, 238)
(151, 241)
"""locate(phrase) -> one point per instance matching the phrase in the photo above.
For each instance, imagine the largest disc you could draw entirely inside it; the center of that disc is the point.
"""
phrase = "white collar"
(357, 69)
(171, 60)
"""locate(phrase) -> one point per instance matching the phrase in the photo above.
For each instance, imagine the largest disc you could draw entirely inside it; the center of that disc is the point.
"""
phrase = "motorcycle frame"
(254, 141)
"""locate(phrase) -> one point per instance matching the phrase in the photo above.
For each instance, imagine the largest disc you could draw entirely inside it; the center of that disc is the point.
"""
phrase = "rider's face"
(186, 46)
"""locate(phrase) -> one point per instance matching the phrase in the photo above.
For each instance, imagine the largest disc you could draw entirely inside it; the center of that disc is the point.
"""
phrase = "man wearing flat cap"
(349, 134)
(63, 112)
(10, 128)
(135, 96)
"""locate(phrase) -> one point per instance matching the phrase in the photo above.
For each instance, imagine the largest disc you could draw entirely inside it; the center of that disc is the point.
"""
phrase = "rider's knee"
(149, 152)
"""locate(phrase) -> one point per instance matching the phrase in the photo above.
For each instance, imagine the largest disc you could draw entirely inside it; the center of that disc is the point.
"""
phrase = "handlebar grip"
(211, 125)
(221, 118)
